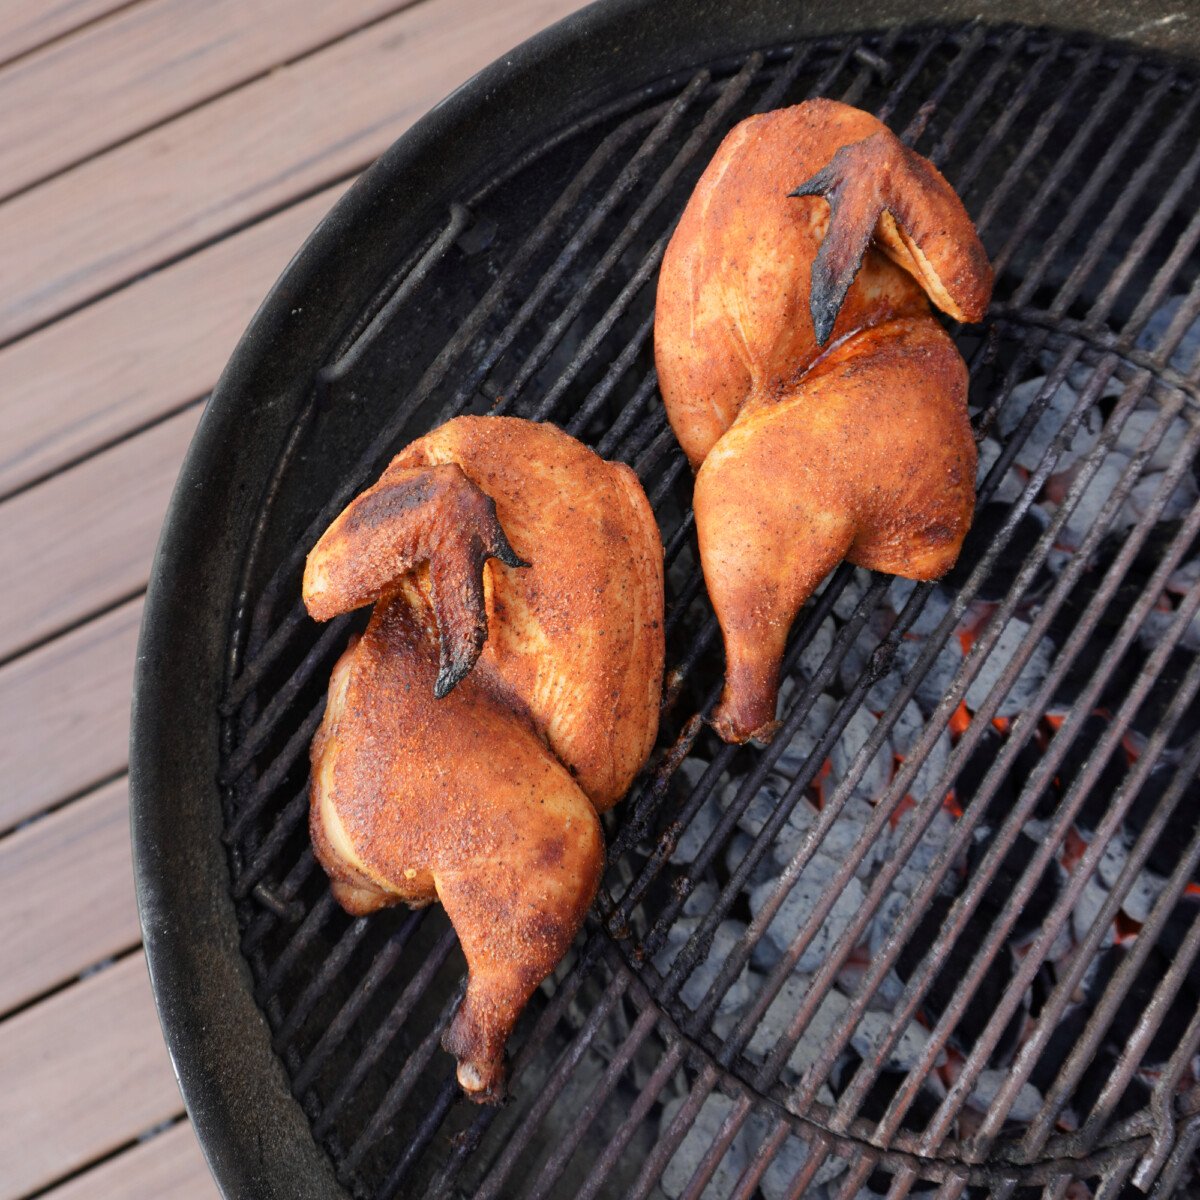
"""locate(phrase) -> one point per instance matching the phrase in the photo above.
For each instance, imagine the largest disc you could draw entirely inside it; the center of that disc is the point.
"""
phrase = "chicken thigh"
(505, 691)
(815, 394)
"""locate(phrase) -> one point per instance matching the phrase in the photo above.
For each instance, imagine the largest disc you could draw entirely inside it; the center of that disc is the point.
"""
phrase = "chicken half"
(505, 691)
(817, 397)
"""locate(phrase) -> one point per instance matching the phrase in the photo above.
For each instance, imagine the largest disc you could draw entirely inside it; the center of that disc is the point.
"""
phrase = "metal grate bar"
(966, 115)
(1017, 103)
(1059, 999)
(730, 94)
(718, 1148)
(286, 823)
(669, 1139)
(1118, 214)
(447, 1095)
(320, 982)
(414, 1066)
(939, 1127)
(963, 827)
(966, 903)
(1116, 991)
(386, 1031)
(637, 1114)
(1182, 1157)
(563, 1070)
(1098, 178)
(1161, 1104)
(1033, 145)
(747, 1183)
(817, 833)
(556, 1163)
(354, 1004)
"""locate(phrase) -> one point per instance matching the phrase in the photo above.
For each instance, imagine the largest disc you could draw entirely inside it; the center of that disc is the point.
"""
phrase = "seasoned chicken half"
(815, 394)
(505, 691)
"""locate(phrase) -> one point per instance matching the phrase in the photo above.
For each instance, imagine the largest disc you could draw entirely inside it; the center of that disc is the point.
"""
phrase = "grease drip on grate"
(942, 935)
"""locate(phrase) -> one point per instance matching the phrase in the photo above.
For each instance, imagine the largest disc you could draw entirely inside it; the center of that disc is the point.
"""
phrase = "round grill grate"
(942, 934)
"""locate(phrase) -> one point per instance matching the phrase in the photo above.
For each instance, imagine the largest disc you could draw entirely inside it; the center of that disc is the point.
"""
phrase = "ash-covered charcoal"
(701, 899)
(855, 589)
(1024, 1108)
(1090, 504)
(906, 733)
(1107, 783)
(937, 604)
(690, 1152)
(1186, 355)
(815, 882)
(1031, 677)
(739, 847)
(1087, 910)
(916, 867)
(979, 1010)
(778, 1017)
(1010, 786)
(985, 531)
(932, 686)
(697, 831)
(878, 771)
(1011, 485)
(904, 1055)
(811, 658)
(1045, 892)
(1137, 428)
(857, 659)
(845, 835)
(1055, 414)
(1180, 501)
(882, 1092)
(724, 940)
(776, 1183)
(794, 758)
(1180, 827)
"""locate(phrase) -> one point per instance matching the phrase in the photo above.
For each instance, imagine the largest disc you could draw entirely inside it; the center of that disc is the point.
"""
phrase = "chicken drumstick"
(817, 397)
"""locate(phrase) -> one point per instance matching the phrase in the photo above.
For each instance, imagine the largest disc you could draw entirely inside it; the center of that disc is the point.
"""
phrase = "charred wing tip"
(819, 184)
(506, 554)
(449, 677)
(824, 317)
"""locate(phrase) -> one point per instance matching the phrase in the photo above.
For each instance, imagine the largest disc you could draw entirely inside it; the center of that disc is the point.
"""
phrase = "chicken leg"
(803, 373)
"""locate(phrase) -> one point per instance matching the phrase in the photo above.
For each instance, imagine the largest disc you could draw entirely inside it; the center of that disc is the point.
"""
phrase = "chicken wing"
(812, 389)
(505, 691)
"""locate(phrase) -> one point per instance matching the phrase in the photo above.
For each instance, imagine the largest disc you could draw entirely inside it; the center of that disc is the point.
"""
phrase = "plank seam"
(204, 244)
(89, 972)
(69, 33)
(219, 94)
(147, 1135)
(78, 794)
(79, 622)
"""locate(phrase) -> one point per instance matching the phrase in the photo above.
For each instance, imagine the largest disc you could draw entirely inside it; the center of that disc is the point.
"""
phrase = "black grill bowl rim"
(254, 1135)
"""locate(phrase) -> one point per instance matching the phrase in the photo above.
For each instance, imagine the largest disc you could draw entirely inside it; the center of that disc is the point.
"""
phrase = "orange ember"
(959, 720)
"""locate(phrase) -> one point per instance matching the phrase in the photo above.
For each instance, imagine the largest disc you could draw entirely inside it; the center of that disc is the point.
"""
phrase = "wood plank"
(141, 352)
(244, 154)
(25, 26)
(86, 536)
(169, 1166)
(87, 1071)
(121, 76)
(64, 714)
(51, 932)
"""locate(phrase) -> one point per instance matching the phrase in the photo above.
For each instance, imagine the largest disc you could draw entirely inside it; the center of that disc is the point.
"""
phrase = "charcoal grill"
(941, 936)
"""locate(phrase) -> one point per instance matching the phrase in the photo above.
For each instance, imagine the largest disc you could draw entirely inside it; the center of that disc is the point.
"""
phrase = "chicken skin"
(505, 692)
(815, 394)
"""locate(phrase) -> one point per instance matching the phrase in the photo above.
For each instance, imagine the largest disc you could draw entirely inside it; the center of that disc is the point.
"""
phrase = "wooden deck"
(160, 161)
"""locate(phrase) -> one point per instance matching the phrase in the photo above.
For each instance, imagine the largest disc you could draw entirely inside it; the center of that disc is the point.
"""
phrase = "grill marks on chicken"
(486, 798)
(813, 391)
